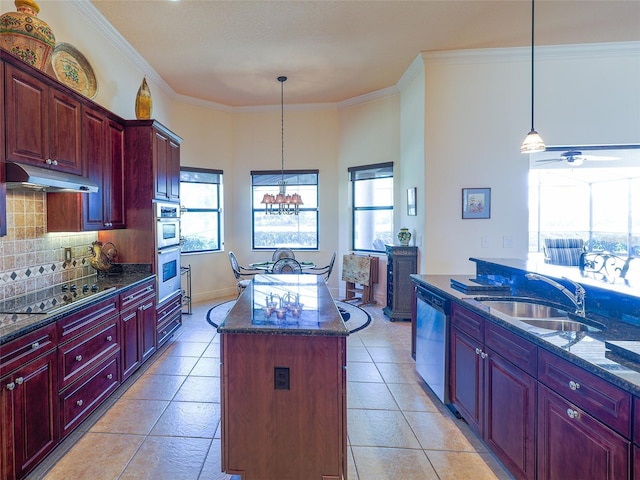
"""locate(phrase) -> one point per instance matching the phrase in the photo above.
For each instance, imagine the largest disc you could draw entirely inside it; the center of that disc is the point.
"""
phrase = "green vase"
(404, 236)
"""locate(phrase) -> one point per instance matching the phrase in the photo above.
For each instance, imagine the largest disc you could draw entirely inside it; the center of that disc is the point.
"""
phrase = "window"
(594, 201)
(200, 198)
(298, 232)
(372, 194)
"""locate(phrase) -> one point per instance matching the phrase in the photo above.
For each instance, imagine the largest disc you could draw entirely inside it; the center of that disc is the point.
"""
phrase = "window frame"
(277, 175)
(218, 211)
(353, 174)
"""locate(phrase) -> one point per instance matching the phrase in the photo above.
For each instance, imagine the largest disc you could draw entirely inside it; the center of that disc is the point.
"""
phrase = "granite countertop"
(586, 350)
(318, 315)
(13, 326)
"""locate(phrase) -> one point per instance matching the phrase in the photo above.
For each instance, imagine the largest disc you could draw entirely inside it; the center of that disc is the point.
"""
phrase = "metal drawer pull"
(574, 385)
(109, 338)
(79, 358)
(573, 413)
(110, 376)
(11, 386)
(35, 345)
(478, 351)
(79, 403)
(484, 355)
(19, 381)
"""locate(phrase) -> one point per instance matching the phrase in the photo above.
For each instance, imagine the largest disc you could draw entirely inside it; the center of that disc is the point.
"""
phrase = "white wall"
(478, 113)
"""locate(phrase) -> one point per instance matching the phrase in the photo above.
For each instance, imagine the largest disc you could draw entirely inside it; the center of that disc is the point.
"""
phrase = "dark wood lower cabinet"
(510, 424)
(573, 444)
(29, 410)
(467, 372)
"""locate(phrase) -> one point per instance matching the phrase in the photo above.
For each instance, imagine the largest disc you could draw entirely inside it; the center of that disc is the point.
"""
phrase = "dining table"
(268, 265)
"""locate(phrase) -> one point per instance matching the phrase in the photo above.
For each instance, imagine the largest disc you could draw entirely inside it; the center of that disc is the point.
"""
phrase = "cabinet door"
(26, 118)
(94, 153)
(113, 177)
(509, 423)
(28, 402)
(467, 373)
(147, 326)
(3, 191)
(572, 444)
(173, 172)
(130, 347)
(160, 163)
(65, 127)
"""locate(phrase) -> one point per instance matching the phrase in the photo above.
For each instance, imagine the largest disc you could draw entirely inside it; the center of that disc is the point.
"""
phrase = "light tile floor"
(163, 423)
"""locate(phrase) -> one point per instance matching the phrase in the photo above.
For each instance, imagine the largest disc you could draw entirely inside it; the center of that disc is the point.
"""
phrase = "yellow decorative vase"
(144, 103)
(26, 36)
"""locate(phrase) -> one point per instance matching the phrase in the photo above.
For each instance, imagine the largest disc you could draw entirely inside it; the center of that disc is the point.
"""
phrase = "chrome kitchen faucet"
(576, 298)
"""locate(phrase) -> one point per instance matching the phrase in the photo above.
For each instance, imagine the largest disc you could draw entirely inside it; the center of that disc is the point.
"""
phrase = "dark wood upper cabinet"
(166, 166)
(43, 124)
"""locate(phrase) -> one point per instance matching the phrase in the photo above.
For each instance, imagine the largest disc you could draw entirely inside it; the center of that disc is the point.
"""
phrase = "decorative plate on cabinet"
(73, 69)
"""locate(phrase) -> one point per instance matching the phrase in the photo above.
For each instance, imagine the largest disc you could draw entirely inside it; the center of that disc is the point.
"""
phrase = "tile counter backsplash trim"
(30, 258)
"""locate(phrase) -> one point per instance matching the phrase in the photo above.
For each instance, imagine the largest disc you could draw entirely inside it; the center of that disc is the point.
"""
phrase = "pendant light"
(286, 204)
(532, 142)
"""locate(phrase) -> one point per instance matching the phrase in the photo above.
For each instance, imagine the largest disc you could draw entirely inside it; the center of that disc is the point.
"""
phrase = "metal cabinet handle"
(484, 355)
(11, 386)
(110, 376)
(573, 413)
(35, 345)
(19, 381)
(574, 385)
(478, 351)
(79, 403)
(109, 338)
(79, 358)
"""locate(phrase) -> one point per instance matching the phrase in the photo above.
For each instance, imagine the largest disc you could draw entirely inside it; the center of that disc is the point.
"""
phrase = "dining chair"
(282, 253)
(286, 265)
(324, 271)
(240, 273)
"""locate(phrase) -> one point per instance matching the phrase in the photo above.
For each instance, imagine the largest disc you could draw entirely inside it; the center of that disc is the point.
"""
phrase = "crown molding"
(369, 97)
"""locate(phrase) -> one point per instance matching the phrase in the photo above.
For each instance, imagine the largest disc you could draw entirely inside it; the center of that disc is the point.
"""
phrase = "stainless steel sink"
(540, 316)
(519, 309)
(558, 325)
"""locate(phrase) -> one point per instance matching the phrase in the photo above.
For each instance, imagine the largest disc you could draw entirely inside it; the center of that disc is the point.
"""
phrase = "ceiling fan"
(576, 158)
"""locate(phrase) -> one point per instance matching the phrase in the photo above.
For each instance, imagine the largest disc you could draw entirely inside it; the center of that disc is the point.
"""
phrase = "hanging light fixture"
(532, 142)
(287, 204)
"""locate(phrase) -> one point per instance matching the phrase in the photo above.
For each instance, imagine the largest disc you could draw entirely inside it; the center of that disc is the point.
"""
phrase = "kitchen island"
(283, 381)
(541, 394)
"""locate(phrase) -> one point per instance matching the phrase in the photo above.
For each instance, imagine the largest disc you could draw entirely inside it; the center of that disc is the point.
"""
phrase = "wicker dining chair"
(286, 265)
(243, 275)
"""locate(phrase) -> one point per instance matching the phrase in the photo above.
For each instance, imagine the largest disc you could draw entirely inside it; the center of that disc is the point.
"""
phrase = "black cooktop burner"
(58, 296)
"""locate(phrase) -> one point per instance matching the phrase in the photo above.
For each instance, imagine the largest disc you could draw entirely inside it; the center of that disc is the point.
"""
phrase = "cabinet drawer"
(467, 321)
(80, 399)
(596, 396)
(511, 347)
(170, 325)
(83, 353)
(79, 322)
(24, 349)
(168, 308)
(136, 294)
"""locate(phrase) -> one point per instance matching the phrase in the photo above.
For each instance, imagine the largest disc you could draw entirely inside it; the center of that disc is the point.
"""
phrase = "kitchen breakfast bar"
(283, 381)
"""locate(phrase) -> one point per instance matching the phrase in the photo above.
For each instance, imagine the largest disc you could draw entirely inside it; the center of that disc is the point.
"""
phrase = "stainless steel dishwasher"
(432, 341)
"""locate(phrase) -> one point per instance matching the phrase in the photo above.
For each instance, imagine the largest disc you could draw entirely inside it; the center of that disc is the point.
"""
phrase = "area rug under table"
(355, 317)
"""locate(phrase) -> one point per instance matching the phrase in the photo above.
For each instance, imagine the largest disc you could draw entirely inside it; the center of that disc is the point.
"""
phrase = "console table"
(402, 261)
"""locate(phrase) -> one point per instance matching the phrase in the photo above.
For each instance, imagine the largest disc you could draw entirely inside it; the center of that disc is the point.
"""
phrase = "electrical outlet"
(67, 254)
(281, 378)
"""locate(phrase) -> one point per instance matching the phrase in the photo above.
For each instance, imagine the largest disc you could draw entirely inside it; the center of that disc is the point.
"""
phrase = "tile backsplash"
(31, 258)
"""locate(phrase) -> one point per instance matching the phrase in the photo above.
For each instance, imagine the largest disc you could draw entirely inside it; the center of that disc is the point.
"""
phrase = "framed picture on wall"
(411, 201)
(476, 203)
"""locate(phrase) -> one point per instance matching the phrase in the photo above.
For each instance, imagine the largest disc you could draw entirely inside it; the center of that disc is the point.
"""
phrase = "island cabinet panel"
(493, 389)
(3, 186)
(292, 430)
(43, 123)
(573, 444)
(28, 415)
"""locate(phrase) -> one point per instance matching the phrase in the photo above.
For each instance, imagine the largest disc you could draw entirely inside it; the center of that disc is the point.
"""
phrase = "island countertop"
(269, 297)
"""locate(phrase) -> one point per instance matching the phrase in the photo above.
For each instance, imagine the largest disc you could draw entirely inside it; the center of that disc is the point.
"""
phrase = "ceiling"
(231, 52)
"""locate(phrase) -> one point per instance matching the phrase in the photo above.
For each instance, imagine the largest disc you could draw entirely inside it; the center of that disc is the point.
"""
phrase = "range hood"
(20, 175)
